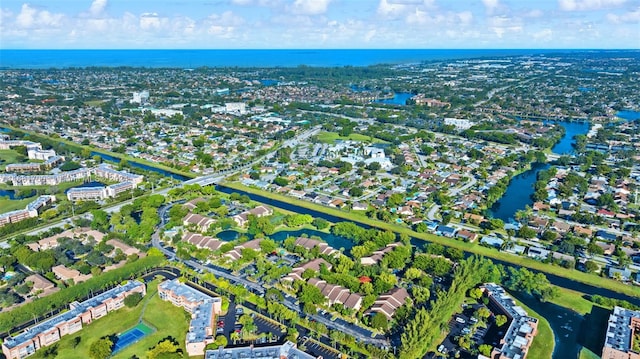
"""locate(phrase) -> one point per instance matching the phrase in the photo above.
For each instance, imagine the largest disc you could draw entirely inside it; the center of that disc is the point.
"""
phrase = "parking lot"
(462, 324)
(264, 325)
(319, 350)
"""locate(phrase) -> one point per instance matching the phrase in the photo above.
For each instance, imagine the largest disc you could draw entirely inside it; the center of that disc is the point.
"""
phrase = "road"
(362, 334)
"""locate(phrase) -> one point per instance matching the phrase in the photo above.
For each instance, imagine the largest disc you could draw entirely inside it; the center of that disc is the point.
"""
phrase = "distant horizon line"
(319, 49)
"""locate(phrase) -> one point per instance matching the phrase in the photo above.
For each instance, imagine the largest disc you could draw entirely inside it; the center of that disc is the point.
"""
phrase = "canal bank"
(566, 278)
(518, 194)
(111, 157)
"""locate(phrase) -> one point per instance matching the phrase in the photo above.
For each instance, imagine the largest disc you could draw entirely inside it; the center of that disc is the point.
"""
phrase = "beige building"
(50, 331)
(621, 335)
(203, 309)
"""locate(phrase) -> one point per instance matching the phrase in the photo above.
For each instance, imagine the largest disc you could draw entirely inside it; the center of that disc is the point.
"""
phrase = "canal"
(518, 193)
(142, 166)
(566, 324)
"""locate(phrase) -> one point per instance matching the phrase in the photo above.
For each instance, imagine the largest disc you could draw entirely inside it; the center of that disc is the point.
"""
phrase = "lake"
(334, 241)
(518, 194)
(11, 194)
(629, 115)
(399, 98)
(520, 189)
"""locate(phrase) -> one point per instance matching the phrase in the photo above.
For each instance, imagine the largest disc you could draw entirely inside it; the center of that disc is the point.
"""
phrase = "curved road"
(360, 333)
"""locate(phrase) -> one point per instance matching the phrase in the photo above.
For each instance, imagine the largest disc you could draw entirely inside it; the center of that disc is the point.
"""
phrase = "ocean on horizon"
(44, 59)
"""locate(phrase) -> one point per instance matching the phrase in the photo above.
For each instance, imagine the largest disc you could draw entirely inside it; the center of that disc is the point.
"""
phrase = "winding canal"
(518, 193)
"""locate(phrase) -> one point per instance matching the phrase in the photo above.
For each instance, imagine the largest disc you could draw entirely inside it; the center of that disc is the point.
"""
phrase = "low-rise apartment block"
(623, 331)
(203, 309)
(288, 350)
(50, 331)
(30, 211)
(522, 329)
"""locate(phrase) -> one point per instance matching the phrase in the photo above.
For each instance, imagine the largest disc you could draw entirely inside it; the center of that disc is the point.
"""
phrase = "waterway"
(332, 240)
(142, 166)
(420, 243)
(520, 189)
(566, 324)
(11, 194)
(399, 98)
(629, 115)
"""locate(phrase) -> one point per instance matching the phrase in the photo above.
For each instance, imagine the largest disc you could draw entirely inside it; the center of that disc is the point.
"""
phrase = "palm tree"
(235, 336)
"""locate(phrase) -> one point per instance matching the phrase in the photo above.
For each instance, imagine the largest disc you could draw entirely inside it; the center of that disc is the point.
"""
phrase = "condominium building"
(50, 331)
(30, 211)
(522, 329)
(623, 330)
(203, 309)
(288, 350)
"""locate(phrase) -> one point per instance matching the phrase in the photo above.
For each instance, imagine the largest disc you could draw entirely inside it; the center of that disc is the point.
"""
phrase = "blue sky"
(257, 24)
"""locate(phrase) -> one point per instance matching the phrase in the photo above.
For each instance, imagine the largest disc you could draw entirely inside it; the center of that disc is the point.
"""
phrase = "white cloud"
(32, 18)
(534, 13)
(587, 5)
(544, 35)
(97, 7)
(310, 7)
(631, 17)
(490, 5)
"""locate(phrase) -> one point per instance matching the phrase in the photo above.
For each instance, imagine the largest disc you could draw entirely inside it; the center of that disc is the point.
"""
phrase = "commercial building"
(50, 331)
(521, 330)
(623, 335)
(288, 350)
(203, 309)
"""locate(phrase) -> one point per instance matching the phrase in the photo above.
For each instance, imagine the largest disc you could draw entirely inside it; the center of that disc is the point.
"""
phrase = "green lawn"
(543, 342)
(331, 137)
(8, 205)
(8, 157)
(167, 319)
(588, 354)
(576, 275)
(573, 300)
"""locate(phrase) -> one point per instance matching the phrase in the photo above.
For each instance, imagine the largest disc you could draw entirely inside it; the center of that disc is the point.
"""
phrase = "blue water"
(241, 58)
(565, 146)
(520, 189)
(629, 115)
(142, 166)
(399, 98)
(8, 193)
(334, 241)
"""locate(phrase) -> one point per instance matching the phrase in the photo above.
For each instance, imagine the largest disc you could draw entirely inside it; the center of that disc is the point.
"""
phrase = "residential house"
(389, 302)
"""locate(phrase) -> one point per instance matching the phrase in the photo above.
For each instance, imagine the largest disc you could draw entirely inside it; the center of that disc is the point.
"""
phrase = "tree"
(379, 321)
(100, 349)
(320, 223)
(132, 300)
(485, 349)
(475, 293)
(591, 266)
(501, 320)
(356, 191)
(221, 341)
(162, 349)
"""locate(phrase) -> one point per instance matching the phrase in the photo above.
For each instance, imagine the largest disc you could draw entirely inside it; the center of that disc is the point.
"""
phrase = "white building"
(237, 108)
(141, 97)
(458, 123)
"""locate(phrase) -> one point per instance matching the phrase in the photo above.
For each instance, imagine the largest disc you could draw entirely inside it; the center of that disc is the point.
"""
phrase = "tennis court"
(131, 336)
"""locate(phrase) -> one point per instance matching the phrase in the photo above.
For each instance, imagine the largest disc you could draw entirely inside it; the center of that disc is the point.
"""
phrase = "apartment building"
(623, 330)
(51, 330)
(30, 211)
(522, 329)
(288, 350)
(203, 309)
